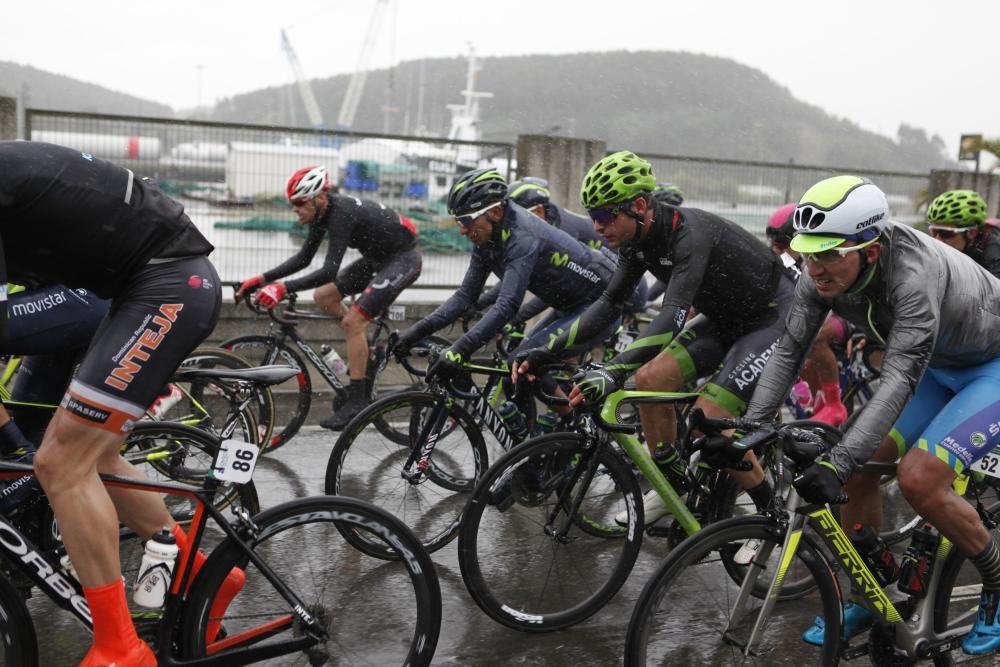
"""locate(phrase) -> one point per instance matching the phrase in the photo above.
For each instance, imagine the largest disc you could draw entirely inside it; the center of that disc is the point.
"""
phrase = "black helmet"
(529, 192)
(476, 189)
(668, 193)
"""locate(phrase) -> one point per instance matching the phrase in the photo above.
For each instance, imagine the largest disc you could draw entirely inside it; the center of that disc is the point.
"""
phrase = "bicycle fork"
(424, 446)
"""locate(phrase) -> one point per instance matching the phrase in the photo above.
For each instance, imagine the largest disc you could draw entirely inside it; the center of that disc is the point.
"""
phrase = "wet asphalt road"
(468, 636)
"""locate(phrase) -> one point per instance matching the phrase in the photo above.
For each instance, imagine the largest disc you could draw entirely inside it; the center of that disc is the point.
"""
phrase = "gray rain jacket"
(930, 304)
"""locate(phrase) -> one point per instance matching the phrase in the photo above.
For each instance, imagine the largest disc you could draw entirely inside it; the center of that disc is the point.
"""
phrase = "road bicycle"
(535, 546)
(714, 600)
(426, 480)
(283, 344)
(299, 599)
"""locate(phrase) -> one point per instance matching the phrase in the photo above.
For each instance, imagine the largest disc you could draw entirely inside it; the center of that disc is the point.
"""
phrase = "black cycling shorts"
(380, 283)
(167, 309)
(735, 360)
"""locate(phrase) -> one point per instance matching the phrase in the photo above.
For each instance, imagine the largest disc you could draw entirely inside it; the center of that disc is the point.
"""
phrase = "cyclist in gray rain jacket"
(938, 402)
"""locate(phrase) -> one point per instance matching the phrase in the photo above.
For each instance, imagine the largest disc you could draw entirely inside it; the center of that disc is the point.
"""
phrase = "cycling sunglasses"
(834, 255)
(605, 216)
(946, 232)
(467, 219)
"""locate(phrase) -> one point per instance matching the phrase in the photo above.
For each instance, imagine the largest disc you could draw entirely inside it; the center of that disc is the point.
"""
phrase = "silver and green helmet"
(668, 193)
(838, 209)
(475, 189)
(957, 208)
(619, 177)
(529, 192)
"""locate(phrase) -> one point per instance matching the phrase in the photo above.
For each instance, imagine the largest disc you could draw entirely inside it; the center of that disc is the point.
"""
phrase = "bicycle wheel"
(386, 381)
(682, 614)
(524, 558)
(261, 350)
(429, 501)
(213, 398)
(400, 602)
(168, 451)
(18, 644)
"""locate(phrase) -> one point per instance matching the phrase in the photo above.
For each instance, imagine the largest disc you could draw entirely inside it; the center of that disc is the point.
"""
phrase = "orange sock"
(115, 641)
(229, 589)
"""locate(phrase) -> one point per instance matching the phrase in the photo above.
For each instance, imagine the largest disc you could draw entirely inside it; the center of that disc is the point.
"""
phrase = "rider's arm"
(299, 260)
(488, 298)
(3, 294)
(520, 258)
(916, 306)
(805, 317)
(460, 301)
(690, 256)
(340, 234)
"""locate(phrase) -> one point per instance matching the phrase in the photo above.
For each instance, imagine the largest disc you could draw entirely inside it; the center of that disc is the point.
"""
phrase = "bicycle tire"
(181, 453)
(514, 569)
(372, 470)
(260, 350)
(263, 399)
(18, 642)
(687, 575)
(397, 435)
(298, 541)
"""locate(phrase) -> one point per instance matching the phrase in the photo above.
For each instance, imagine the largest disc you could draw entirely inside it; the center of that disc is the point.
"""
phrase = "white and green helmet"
(838, 209)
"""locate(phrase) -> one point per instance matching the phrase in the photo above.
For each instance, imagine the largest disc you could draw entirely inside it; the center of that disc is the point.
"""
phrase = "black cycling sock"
(762, 495)
(988, 564)
(12, 440)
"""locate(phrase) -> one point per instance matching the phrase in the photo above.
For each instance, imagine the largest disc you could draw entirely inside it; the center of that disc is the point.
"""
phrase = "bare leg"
(864, 504)
(659, 422)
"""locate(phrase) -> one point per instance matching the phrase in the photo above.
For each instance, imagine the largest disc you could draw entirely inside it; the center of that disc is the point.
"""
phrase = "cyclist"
(737, 286)
(958, 218)
(533, 195)
(526, 254)
(820, 370)
(389, 263)
(937, 312)
(67, 217)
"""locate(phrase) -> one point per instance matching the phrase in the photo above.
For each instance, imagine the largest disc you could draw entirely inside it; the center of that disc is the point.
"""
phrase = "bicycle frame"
(67, 592)
(914, 635)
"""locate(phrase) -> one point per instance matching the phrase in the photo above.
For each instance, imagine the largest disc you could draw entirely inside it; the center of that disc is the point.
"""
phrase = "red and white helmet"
(307, 182)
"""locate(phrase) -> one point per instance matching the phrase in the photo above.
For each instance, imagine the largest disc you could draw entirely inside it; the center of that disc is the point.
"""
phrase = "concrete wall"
(8, 118)
(562, 161)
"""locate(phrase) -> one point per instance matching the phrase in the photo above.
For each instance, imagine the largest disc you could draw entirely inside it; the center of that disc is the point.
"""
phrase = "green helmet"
(618, 177)
(957, 208)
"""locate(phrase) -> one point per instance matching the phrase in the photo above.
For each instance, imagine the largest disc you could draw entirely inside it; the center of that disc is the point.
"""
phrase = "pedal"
(851, 652)
(658, 530)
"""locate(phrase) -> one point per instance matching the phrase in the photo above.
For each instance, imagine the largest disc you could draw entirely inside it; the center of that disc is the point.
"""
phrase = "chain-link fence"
(231, 179)
(748, 192)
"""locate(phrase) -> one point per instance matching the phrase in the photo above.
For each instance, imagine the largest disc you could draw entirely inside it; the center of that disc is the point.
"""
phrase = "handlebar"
(284, 314)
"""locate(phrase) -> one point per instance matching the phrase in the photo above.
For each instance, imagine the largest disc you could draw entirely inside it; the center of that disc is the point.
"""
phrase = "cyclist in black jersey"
(526, 254)
(737, 286)
(390, 262)
(958, 218)
(67, 217)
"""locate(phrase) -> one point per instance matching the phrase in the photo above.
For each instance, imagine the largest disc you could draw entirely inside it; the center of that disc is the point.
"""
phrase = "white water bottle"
(334, 361)
(157, 566)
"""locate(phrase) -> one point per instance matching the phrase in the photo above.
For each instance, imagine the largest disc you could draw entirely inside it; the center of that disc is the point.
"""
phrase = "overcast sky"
(876, 62)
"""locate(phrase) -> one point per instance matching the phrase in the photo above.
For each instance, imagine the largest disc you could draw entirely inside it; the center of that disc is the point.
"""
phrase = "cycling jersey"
(526, 254)
(45, 320)
(932, 307)
(707, 262)
(985, 249)
(376, 231)
(70, 218)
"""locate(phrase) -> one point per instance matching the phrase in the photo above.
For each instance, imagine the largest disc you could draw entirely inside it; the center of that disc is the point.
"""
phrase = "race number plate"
(235, 462)
(989, 464)
(396, 313)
